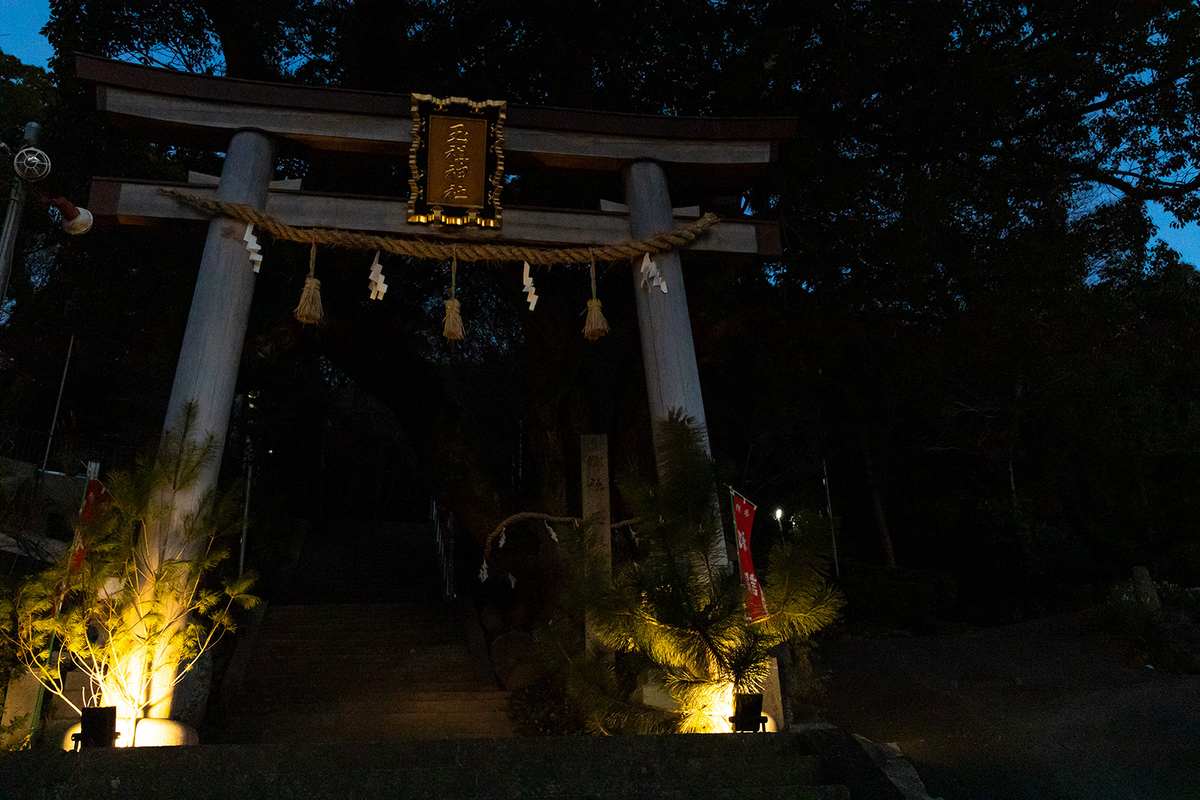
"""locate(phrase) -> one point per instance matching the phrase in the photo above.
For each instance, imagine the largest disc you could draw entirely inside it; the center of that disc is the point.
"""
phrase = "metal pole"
(245, 517)
(829, 509)
(12, 217)
(93, 473)
(58, 402)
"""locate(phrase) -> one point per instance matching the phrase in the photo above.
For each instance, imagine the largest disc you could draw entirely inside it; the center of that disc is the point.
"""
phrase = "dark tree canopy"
(971, 323)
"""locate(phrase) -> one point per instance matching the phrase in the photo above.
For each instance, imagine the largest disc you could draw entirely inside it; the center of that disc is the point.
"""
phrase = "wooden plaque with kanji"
(457, 161)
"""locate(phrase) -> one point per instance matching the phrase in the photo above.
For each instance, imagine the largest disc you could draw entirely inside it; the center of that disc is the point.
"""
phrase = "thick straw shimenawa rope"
(355, 240)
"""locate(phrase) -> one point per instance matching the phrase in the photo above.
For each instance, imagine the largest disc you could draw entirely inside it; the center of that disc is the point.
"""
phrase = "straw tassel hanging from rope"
(595, 325)
(309, 312)
(454, 327)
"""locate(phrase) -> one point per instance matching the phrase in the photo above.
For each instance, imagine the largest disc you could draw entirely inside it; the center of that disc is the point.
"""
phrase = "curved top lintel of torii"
(201, 110)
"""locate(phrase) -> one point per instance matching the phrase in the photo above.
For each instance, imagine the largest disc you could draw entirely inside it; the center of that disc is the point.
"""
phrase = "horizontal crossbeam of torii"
(130, 202)
(200, 110)
(254, 122)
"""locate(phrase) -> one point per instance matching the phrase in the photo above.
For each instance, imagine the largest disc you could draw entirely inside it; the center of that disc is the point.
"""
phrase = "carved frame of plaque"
(466, 194)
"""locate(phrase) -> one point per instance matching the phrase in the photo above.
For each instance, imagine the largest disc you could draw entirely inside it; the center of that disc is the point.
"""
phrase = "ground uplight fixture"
(97, 728)
(747, 713)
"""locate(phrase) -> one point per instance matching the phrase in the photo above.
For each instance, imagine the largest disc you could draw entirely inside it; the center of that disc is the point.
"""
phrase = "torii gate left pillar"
(216, 330)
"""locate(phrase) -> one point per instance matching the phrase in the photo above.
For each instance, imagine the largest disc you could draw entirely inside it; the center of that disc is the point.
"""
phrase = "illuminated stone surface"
(819, 765)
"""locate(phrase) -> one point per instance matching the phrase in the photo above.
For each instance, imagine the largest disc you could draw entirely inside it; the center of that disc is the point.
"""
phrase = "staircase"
(369, 654)
(363, 673)
(356, 561)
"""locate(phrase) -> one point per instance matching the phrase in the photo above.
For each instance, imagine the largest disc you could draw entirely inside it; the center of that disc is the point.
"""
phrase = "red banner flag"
(95, 501)
(743, 521)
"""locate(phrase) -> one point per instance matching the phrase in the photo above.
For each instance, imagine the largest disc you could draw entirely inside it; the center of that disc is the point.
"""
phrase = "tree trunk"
(877, 506)
(1013, 430)
(546, 448)
(241, 29)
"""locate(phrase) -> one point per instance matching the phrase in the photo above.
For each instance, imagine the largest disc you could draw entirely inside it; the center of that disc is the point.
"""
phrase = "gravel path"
(1053, 708)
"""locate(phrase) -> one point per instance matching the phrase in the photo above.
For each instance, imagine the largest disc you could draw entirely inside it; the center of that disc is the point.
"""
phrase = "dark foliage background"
(972, 324)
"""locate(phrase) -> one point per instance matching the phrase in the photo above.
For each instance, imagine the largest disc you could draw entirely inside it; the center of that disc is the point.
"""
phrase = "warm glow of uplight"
(150, 733)
(722, 710)
(712, 713)
(707, 711)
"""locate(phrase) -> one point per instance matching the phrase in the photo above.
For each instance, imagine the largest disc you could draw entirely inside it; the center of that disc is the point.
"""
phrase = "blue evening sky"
(21, 21)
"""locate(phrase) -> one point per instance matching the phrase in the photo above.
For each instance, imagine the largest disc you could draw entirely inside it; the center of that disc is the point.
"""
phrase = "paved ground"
(1053, 708)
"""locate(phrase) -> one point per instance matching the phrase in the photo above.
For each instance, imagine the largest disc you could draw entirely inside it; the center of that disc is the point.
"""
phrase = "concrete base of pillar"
(773, 699)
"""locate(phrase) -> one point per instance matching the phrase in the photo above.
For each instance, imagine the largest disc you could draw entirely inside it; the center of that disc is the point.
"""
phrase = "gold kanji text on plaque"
(457, 154)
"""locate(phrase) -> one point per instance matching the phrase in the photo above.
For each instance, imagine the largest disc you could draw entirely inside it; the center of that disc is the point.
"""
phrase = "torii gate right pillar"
(668, 352)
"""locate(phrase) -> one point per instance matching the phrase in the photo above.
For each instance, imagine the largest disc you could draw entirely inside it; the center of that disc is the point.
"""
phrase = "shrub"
(674, 619)
(141, 600)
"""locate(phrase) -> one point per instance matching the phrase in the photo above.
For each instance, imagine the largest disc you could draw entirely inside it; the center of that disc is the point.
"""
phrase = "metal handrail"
(443, 532)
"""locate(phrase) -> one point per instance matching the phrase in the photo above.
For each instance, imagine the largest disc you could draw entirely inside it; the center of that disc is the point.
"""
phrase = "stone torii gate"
(254, 122)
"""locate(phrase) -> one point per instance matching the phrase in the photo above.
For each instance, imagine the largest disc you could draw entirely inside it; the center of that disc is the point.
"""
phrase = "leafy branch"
(672, 617)
(143, 601)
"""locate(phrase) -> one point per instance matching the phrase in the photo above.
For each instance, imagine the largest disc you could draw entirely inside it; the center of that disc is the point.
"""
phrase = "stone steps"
(347, 610)
(391, 638)
(423, 702)
(365, 724)
(261, 689)
(411, 666)
(350, 560)
(279, 654)
(363, 672)
(725, 766)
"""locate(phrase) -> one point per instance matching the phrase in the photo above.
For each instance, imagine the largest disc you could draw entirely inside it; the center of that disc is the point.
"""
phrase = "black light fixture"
(97, 728)
(747, 713)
